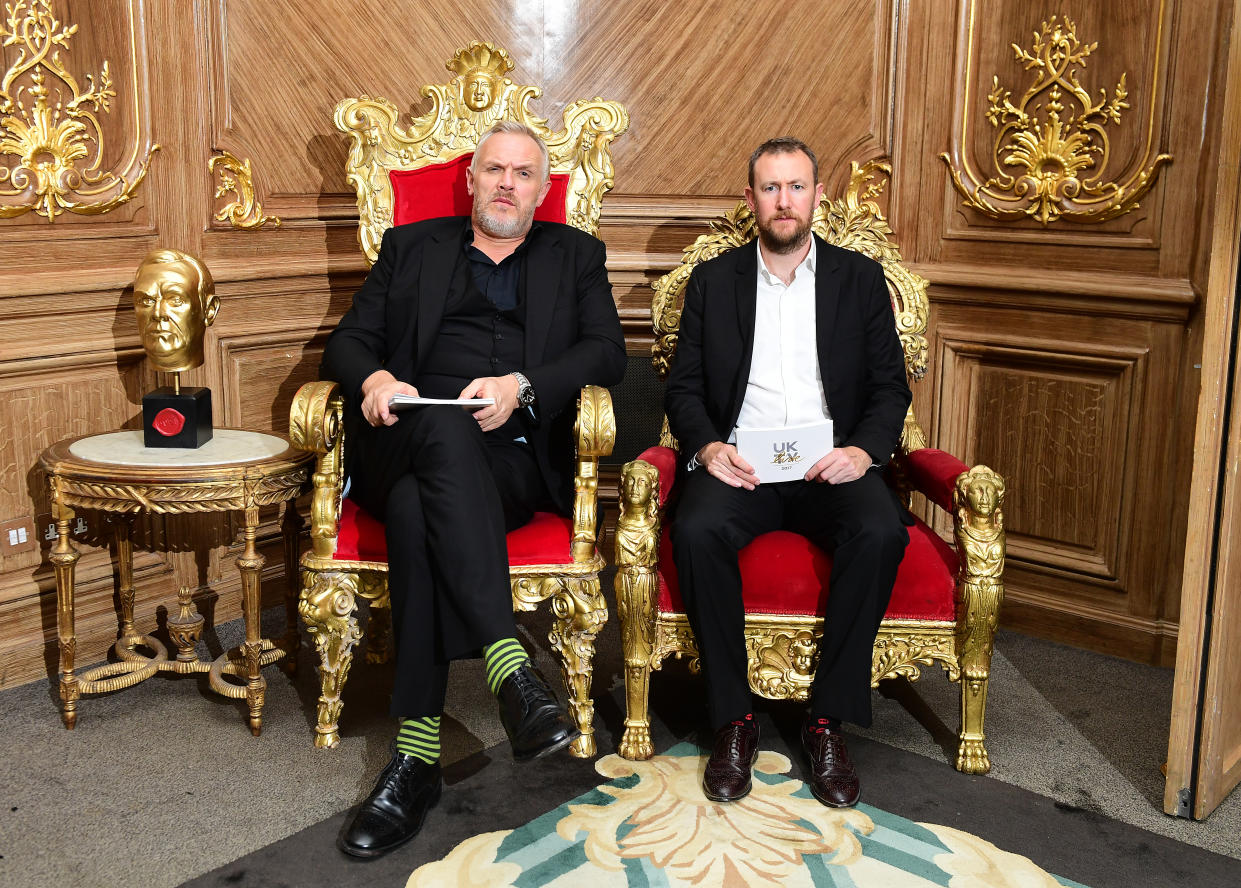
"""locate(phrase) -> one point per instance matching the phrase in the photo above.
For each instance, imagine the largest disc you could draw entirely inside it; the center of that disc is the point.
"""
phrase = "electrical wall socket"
(18, 535)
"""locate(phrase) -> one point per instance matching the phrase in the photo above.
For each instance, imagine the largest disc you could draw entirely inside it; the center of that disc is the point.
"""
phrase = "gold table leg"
(251, 566)
(125, 571)
(64, 557)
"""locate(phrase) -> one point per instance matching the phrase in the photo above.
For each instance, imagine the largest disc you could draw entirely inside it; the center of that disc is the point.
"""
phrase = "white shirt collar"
(808, 264)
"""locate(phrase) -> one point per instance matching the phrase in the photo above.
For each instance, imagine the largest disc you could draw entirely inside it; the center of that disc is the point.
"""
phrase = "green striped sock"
(503, 658)
(420, 737)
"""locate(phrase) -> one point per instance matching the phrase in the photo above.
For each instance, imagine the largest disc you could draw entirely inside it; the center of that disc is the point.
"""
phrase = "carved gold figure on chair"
(175, 300)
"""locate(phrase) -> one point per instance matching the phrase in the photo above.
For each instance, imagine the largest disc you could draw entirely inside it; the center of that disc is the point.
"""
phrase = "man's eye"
(798, 187)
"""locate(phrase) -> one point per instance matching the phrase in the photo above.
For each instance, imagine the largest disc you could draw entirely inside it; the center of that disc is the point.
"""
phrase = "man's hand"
(377, 389)
(503, 389)
(842, 464)
(724, 462)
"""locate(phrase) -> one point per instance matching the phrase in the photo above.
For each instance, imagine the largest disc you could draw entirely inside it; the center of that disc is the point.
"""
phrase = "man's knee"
(880, 531)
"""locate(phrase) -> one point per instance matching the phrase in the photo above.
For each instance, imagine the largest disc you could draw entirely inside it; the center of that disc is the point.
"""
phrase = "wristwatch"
(525, 391)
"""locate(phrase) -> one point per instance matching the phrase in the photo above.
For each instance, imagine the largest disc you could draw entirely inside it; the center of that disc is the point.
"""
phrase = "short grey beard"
(784, 246)
(496, 226)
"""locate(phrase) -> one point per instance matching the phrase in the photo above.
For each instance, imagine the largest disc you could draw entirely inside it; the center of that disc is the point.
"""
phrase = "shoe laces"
(730, 740)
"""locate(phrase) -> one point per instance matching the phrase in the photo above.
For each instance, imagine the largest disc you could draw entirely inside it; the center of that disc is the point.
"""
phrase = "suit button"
(495, 361)
(499, 336)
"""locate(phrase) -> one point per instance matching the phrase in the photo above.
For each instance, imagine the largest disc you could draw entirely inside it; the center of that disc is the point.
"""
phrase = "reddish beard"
(783, 243)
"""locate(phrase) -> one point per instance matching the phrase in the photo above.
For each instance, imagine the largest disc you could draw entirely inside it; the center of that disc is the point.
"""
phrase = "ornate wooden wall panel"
(77, 127)
(1063, 353)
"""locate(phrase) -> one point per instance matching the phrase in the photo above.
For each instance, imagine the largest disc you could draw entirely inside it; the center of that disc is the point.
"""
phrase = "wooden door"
(1204, 745)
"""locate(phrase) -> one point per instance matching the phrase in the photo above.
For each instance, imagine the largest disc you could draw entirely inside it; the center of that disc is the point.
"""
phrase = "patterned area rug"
(650, 825)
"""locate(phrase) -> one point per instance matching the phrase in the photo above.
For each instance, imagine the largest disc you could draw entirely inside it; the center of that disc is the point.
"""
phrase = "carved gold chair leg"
(328, 605)
(580, 611)
(971, 754)
(635, 603)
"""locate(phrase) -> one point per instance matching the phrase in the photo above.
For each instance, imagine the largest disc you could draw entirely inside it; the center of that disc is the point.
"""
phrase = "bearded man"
(783, 332)
(491, 306)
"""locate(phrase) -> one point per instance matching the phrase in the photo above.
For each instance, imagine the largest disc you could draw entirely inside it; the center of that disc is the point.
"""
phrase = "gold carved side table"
(237, 471)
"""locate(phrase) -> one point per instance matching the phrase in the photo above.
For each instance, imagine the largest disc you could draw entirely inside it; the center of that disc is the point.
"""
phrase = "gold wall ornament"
(461, 111)
(1052, 148)
(51, 125)
(237, 178)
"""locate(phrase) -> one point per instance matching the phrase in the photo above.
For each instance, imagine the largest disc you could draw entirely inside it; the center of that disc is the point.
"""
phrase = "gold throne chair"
(946, 600)
(405, 173)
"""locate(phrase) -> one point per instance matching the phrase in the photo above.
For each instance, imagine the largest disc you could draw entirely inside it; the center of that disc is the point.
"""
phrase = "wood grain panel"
(1054, 423)
(263, 372)
(279, 68)
(278, 74)
(1129, 40)
(111, 33)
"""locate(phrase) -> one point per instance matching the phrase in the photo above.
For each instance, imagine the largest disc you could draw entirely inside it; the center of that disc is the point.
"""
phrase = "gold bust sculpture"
(175, 301)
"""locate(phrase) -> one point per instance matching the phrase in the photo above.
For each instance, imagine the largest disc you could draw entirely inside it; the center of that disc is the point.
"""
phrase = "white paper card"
(400, 402)
(784, 454)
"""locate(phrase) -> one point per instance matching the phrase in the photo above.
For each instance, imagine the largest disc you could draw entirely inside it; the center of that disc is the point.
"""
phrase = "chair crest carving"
(461, 111)
(854, 222)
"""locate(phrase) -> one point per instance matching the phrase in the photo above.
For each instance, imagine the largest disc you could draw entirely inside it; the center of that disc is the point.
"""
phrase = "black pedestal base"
(176, 420)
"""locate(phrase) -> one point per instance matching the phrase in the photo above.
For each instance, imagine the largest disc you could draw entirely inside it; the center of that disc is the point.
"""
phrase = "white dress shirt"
(785, 386)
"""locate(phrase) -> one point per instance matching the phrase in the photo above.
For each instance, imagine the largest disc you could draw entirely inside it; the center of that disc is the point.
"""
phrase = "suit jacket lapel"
(543, 261)
(439, 259)
(746, 296)
(826, 304)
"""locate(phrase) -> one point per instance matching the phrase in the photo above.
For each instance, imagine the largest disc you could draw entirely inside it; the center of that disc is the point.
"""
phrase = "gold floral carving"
(854, 222)
(461, 111)
(1052, 148)
(51, 124)
(244, 210)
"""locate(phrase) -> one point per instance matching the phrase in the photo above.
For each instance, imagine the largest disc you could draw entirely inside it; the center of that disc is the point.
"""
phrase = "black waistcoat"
(475, 339)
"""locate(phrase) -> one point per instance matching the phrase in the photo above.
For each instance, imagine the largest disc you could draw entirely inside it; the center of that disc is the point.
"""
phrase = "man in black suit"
(787, 331)
(491, 306)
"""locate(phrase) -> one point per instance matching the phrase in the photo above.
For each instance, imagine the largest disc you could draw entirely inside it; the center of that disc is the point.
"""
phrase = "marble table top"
(227, 446)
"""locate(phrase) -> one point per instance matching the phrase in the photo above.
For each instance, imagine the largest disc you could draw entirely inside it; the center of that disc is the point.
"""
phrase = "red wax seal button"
(168, 422)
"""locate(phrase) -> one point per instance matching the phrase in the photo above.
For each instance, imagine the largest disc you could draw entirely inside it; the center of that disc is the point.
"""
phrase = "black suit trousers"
(447, 493)
(859, 523)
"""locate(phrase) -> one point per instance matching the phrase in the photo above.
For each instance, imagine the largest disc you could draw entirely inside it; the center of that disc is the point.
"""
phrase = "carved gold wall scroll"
(237, 178)
(1052, 147)
(50, 126)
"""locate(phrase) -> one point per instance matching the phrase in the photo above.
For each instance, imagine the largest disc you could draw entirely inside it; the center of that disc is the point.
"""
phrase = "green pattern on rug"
(651, 826)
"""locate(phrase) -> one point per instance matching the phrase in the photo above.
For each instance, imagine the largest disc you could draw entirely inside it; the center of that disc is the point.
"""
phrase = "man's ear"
(469, 181)
(749, 197)
(547, 186)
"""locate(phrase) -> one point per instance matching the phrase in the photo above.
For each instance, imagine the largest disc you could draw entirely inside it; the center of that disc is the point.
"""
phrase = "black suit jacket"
(572, 336)
(860, 355)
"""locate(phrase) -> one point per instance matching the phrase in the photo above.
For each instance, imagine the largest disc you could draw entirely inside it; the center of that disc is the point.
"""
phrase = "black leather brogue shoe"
(536, 723)
(727, 778)
(394, 811)
(833, 779)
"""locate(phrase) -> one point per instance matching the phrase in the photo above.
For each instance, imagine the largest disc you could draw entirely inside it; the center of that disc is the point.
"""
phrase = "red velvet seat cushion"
(784, 573)
(439, 190)
(545, 540)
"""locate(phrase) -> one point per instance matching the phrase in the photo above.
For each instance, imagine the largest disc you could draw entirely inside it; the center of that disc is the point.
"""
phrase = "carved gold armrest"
(315, 425)
(596, 434)
(978, 526)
